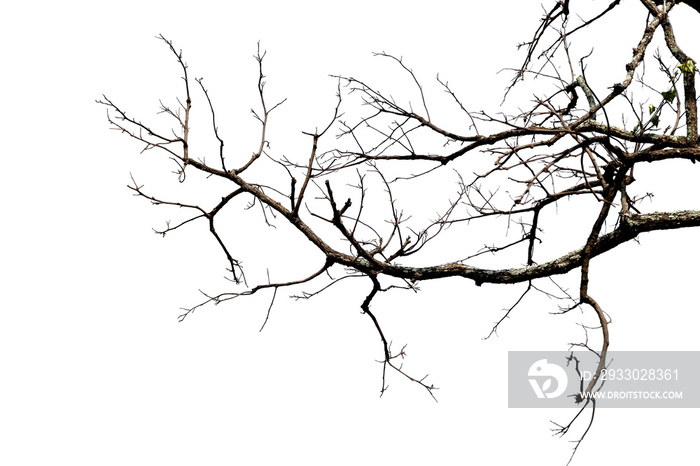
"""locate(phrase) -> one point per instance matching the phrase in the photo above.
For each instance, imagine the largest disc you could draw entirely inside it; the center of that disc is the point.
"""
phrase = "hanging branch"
(359, 200)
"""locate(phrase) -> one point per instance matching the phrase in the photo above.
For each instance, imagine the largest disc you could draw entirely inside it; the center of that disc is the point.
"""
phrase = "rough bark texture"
(561, 148)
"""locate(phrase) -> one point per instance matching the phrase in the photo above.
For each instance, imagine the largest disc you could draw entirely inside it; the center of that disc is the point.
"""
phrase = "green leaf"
(687, 67)
(669, 95)
(655, 120)
(651, 109)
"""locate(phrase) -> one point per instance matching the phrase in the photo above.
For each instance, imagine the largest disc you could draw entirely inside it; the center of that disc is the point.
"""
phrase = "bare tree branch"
(386, 196)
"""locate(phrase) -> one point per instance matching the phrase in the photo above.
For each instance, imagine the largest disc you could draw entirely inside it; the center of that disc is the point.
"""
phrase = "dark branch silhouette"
(358, 199)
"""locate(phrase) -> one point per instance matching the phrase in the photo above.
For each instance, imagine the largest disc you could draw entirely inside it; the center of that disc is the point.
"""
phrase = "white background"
(95, 368)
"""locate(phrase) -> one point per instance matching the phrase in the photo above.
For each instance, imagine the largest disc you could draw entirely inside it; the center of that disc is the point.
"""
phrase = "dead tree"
(353, 197)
